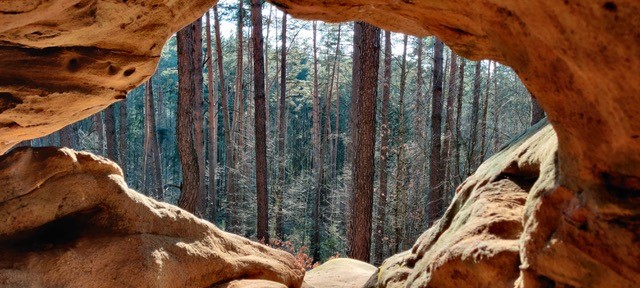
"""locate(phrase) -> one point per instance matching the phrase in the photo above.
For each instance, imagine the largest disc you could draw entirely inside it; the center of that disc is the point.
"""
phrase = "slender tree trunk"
(232, 191)
(330, 88)
(363, 166)
(401, 173)
(110, 131)
(336, 140)
(122, 141)
(458, 141)
(483, 125)
(99, 127)
(189, 89)
(436, 174)
(384, 139)
(328, 142)
(318, 156)
(282, 132)
(536, 111)
(419, 163)
(68, 136)
(151, 145)
(262, 230)
(213, 125)
(225, 116)
(449, 126)
(475, 106)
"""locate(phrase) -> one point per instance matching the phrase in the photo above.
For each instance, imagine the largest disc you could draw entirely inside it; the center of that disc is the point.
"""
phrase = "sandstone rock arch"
(64, 60)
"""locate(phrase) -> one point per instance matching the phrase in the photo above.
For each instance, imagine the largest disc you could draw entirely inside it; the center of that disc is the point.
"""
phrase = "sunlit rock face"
(340, 272)
(67, 219)
(64, 60)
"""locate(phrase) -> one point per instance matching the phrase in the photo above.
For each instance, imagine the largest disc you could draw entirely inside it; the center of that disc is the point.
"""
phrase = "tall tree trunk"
(68, 136)
(151, 145)
(475, 106)
(419, 163)
(189, 89)
(363, 166)
(536, 111)
(401, 172)
(318, 156)
(262, 195)
(110, 131)
(225, 114)
(328, 143)
(384, 139)
(213, 125)
(436, 174)
(99, 127)
(232, 191)
(483, 124)
(458, 141)
(449, 126)
(336, 139)
(354, 118)
(282, 132)
(122, 141)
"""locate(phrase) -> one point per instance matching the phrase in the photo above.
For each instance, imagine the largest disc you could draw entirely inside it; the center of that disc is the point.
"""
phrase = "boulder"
(251, 284)
(67, 219)
(339, 273)
(62, 61)
(477, 241)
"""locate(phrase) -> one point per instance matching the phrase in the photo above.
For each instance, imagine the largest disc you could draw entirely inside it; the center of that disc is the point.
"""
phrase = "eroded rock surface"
(339, 273)
(477, 241)
(64, 60)
(67, 219)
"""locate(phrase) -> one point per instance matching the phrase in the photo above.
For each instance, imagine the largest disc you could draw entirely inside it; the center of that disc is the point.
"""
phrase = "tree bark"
(225, 115)
(262, 196)
(401, 172)
(536, 111)
(282, 131)
(436, 173)
(384, 139)
(110, 131)
(318, 156)
(458, 141)
(483, 124)
(233, 198)
(151, 145)
(332, 139)
(99, 128)
(363, 166)
(449, 126)
(213, 125)
(122, 141)
(68, 136)
(189, 89)
(475, 106)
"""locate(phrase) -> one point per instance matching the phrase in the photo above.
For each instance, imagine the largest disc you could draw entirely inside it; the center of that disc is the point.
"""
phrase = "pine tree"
(260, 123)
(436, 174)
(189, 89)
(384, 139)
(364, 132)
